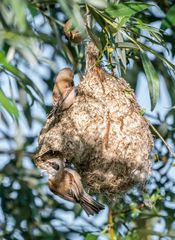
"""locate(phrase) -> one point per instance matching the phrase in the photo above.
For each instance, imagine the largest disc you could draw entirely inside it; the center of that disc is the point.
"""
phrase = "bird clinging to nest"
(103, 133)
(66, 183)
(64, 91)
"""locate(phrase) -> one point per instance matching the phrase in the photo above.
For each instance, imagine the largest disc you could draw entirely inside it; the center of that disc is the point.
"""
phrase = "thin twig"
(163, 140)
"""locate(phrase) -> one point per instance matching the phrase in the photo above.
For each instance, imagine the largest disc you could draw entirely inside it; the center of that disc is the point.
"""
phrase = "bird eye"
(55, 166)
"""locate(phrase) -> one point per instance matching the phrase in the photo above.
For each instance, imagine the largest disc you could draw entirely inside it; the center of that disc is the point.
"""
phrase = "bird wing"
(57, 107)
(63, 191)
(63, 102)
(76, 189)
(57, 95)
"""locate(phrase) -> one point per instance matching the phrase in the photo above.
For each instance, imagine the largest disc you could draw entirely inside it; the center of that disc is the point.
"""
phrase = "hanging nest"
(103, 134)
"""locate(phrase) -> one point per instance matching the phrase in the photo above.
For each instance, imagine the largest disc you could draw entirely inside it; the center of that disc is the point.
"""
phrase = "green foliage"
(8, 105)
(123, 31)
(153, 80)
(126, 9)
(32, 47)
(91, 237)
(22, 79)
(19, 8)
(169, 20)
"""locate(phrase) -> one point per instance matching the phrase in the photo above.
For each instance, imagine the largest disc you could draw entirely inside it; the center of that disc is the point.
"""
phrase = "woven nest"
(103, 133)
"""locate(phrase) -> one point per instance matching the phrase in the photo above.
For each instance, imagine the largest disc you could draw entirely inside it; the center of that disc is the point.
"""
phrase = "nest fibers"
(103, 133)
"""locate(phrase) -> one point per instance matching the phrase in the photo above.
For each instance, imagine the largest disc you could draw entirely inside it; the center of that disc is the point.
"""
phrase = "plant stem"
(111, 225)
(163, 140)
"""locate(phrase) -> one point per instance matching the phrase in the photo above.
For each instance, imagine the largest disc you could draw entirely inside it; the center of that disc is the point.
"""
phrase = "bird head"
(65, 74)
(55, 166)
(63, 83)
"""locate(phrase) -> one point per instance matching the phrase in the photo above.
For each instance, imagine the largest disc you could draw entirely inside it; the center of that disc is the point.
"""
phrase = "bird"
(64, 91)
(66, 183)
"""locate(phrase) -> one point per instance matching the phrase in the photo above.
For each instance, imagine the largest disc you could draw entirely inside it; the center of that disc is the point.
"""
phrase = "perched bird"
(63, 92)
(72, 33)
(66, 183)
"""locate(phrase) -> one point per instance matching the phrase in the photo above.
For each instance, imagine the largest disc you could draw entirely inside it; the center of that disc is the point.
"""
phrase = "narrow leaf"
(97, 16)
(126, 9)
(122, 52)
(91, 237)
(19, 8)
(94, 38)
(152, 78)
(128, 45)
(9, 106)
(23, 80)
(169, 20)
(141, 24)
(158, 55)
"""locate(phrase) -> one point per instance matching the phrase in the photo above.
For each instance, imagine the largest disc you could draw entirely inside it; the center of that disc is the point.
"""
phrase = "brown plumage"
(72, 33)
(66, 183)
(63, 91)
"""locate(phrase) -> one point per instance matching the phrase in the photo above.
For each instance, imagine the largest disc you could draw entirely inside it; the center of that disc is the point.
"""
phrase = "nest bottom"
(113, 177)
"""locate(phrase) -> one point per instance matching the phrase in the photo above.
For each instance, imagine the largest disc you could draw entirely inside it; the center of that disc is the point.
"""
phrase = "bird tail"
(90, 205)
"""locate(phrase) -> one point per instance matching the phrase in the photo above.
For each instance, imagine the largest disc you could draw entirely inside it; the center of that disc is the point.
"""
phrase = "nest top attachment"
(103, 133)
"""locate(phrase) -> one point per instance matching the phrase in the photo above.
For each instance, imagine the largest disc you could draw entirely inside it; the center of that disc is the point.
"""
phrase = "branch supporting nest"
(111, 225)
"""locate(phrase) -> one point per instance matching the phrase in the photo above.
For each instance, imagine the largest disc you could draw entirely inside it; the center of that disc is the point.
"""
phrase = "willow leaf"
(169, 20)
(158, 55)
(153, 80)
(126, 9)
(9, 106)
(128, 45)
(23, 80)
(19, 8)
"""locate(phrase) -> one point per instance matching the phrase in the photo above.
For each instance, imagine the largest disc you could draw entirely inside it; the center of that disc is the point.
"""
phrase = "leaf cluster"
(33, 49)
